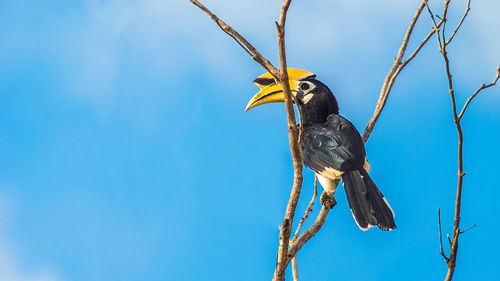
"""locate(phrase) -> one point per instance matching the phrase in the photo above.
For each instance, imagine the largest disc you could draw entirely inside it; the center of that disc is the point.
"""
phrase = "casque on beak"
(271, 92)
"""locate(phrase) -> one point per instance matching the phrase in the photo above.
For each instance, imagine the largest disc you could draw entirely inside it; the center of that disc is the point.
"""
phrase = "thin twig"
(293, 135)
(386, 88)
(301, 120)
(308, 209)
(469, 228)
(394, 72)
(443, 17)
(249, 48)
(460, 24)
(461, 174)
(410, 57)
(441, 236)
(281, 77)
(285, 255)
(436, 28)
(309, 233)
(451, 260)
(295, 271)
(482, 87)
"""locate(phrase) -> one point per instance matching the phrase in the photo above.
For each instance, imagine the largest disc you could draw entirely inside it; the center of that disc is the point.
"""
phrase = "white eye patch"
(307, 98)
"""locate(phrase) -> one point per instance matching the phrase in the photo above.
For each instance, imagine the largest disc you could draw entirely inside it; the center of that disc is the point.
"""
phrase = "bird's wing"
(334, 146)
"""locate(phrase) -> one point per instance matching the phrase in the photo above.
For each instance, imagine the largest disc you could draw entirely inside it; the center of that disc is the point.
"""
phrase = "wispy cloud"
(163, 40)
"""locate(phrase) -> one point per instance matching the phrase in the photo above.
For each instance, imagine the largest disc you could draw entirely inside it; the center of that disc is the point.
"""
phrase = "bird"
(331, 146)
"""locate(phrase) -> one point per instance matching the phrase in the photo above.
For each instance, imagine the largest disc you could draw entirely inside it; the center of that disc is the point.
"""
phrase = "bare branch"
(460, 24)
(293, 135)
(482, 87)
(441, 237)
(308, 210)
(281, 77)
(284, 11)
(443, 17)
(451, 260)
(386, 88)
(462, 232)
(295, 273)
(458, 201)
(301, 125)
(308, 234)
(249, 48)
(436, 28)
(410, 57)
(285, 254)
(394, 72)
(295, 270)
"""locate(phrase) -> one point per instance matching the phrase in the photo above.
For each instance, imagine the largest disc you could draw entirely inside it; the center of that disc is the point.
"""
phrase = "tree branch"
(469, 228)
(295, 270)
(308, 234)
(249, 48)
(386, 88)
(285, 254)
(281, 77)
(460, 24)
(410, 57)
(308, 209)
(293, 135)
(482, 87)
(451, 261)
(441, 237)
(457, 117)
(395, 70)
(295, 273)
(436, 28)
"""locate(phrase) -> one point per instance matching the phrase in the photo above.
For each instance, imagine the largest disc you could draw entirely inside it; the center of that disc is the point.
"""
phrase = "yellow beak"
(272, 92)
(269, 94)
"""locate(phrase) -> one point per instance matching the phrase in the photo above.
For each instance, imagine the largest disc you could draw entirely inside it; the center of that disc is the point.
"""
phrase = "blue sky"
(127, 154)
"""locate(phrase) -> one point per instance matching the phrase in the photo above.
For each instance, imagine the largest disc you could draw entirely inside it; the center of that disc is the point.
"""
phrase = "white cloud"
(168, 39)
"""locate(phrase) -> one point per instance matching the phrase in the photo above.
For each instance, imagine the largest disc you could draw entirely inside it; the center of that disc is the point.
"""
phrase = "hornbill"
(331, 146)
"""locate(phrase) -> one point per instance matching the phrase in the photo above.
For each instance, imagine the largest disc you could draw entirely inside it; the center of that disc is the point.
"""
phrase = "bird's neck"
(318, 112)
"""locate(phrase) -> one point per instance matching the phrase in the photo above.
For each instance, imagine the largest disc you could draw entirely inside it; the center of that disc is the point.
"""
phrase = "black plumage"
(331, 143)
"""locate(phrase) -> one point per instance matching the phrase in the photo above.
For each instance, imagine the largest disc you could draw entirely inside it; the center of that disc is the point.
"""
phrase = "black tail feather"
(367, 203)
(380, 207)
(356, 192)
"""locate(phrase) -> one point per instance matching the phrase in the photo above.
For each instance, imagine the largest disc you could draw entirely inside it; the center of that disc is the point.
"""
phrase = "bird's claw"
(327, 200)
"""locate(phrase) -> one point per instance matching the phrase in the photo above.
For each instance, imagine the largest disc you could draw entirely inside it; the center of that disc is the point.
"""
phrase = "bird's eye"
(304, 86)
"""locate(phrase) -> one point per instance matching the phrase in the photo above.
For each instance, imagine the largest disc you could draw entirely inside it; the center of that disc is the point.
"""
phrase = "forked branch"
(396, 68)
(460, 23)
(482, 87)
(293, 136)
(287, 252)
(249, 48)
(295, 273)
(384, 94)
(446, 259)
(281, 77)
(457, 117)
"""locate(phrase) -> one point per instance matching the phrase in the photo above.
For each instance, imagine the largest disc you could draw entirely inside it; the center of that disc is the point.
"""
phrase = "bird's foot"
(327, 200)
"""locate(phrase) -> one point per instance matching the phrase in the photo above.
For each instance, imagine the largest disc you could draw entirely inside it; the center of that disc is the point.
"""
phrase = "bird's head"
(314, 98)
